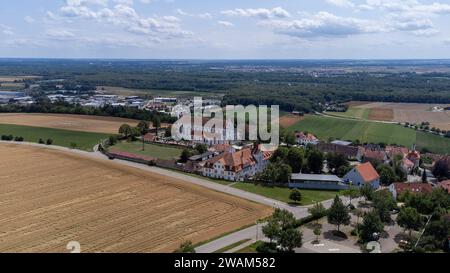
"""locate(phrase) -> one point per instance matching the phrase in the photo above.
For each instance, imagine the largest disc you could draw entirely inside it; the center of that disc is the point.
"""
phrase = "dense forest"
(294, 85)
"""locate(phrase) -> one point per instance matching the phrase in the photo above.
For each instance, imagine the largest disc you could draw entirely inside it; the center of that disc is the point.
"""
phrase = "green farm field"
(83, 140)
(282, 194)
(371, 132)
(152, 150)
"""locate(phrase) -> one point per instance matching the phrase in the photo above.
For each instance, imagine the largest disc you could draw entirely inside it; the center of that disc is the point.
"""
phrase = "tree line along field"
(83, 140)
(371, 132)
(50, 198)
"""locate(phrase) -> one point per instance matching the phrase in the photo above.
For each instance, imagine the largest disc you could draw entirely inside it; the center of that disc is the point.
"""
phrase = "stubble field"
(94, 124)
(49, 198)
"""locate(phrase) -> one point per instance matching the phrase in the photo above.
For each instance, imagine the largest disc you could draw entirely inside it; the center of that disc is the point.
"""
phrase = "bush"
(49, 141)
(7, 137)
(73, 145)
(18, 139)
(41, 141)
(267, 248)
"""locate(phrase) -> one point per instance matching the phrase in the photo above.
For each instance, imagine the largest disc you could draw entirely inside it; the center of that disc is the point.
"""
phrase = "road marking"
(334, 249)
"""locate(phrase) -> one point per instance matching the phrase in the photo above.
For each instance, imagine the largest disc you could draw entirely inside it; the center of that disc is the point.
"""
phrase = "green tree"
(338, 214)
(424, 176)
(352, 193)
(143, 130)
(186, 247)
(295, 159)
(317, 231)
(317, 211)
(280, 155)
(384, 203)
(409, 219)
(201, 148)
(156, 123)
(290, 239)
(295, 196)
(315, 161)
(336, 161)
(367, 191)
(185, 155)
(271, 230)
(126, 131)
(371, 224)
(387, 174)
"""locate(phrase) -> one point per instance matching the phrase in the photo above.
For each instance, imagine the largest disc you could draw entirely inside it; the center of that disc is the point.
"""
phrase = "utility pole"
(423, 231)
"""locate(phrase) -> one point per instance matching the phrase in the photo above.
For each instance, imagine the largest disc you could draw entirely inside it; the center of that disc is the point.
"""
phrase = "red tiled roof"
(367, 172)
(396, 150)
(413, 187)
(149, 137)
(445, 185)
(407, 163)
(306, 137)
(375, 154)
(233, 161)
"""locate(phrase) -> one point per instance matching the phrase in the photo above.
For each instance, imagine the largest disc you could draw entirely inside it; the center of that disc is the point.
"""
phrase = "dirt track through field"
(82, 123)
(49, 198)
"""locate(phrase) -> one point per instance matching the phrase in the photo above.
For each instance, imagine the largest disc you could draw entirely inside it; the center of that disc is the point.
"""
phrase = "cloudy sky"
(225, 29)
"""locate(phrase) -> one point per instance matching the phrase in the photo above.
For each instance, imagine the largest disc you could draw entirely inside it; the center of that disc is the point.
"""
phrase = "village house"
(363, 174)
(393, 151)
(373, 154)
(445, 185)
(306, 138)
(414, 157)
(237, 166)
(407, 165)
(351, 152)
(397, 189)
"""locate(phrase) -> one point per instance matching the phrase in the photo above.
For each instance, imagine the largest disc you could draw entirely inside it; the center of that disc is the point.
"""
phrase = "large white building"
(237, 166)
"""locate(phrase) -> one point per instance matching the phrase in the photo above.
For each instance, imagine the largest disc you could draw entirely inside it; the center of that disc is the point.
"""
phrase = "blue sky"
(231, 29)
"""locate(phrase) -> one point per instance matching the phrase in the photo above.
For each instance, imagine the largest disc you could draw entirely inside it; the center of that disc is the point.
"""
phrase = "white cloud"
(205, 15)
(29, 19)
(261, 13)
(225, 23)
(122, 14)
(6, 30)
(323, 24)
(60, 34)
(341, 3)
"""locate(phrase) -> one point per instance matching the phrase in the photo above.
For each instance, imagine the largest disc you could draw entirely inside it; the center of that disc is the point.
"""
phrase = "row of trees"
(288, 160)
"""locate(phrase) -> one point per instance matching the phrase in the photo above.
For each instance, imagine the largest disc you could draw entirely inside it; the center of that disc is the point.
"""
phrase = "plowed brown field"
(49, 198)
(381, 114)
(94, 124)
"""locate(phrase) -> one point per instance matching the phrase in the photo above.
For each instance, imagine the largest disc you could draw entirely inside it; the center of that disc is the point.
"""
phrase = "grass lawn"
(251, 248)
(365, 131)
(84, 140)
(152, 150)
(282, 194)
(435, 144)
(225, 249)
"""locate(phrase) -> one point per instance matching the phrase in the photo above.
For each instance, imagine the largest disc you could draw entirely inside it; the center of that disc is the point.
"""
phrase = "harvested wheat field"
(95, 124)
(382, 114)
(290, 120)
(49, 198)
(414, 113)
